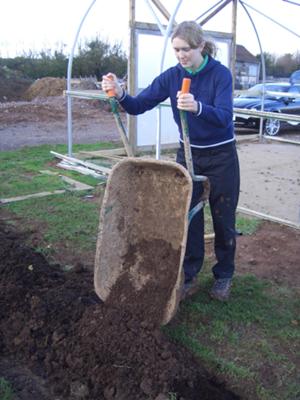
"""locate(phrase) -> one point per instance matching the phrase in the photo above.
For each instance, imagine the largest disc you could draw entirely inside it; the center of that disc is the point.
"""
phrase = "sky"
(52, 24)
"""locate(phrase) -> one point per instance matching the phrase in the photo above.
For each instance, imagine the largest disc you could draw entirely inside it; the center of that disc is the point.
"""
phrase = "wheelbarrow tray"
(142, 237)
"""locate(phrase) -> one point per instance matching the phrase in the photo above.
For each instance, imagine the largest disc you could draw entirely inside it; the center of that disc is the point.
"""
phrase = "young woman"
(209, 107)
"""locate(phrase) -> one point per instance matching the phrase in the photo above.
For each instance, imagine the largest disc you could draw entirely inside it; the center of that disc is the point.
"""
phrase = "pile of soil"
(17, 88)
(43, 120)
(47, 110)
(46, 87)
(58, 340)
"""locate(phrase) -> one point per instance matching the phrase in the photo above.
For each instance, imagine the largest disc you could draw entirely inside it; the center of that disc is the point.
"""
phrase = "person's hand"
(186, 102)
(110, 82)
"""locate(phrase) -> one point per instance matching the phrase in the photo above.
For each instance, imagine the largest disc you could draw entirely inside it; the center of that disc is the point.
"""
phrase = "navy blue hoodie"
(212, 86)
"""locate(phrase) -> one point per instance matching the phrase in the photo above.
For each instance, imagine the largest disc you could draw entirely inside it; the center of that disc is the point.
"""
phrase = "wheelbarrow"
(142, 233)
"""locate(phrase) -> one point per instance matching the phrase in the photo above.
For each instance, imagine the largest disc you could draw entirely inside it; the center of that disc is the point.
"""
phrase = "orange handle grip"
(111, 92)
(186, 84)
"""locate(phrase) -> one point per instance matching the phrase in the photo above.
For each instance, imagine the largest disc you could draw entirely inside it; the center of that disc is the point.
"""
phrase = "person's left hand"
(186, 102)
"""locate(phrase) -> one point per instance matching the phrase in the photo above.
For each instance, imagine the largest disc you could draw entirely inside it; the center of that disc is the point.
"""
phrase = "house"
(246, 68)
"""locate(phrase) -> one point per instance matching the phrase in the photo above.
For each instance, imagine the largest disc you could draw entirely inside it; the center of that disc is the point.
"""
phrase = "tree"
(95, 58)
(285, 65)
(282, 66)
(270, 60)
(98, 57)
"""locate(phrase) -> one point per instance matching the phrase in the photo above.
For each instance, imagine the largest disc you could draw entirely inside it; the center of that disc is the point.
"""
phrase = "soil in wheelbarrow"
(59, 341)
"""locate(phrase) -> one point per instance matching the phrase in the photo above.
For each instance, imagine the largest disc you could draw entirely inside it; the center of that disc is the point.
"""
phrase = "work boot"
(221, 289)
(189, 288)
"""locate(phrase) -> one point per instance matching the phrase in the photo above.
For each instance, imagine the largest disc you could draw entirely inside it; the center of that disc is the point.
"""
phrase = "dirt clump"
(46, 87)
(75, 347)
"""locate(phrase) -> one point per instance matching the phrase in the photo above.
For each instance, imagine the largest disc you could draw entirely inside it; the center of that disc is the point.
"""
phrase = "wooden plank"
(94, 154)
(80, 169)
(233, 47)
(162, 9)
(120, 151)
(30, 196)
(279, 139)
(75, 185)
(268, 217)
(115, 154)
(86, 164)
(213, 13)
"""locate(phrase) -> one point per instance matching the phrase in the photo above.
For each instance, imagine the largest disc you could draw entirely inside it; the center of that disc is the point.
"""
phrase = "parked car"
(295, 77)
(283, 103)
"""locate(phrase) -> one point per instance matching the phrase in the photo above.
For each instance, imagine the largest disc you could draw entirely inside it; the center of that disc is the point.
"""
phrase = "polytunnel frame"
(69, 77)
(131, 73)
(131, 62)
(165, 32)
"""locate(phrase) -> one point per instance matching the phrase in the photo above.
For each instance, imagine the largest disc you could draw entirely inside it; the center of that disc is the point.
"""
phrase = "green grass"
(244, 224)
(66, 218)
(172, 396)
(6, 391)
(252, 342)
(247, 225)
(20, 171)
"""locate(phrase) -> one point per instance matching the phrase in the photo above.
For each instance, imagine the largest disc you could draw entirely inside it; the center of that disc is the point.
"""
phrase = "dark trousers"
(220, 164)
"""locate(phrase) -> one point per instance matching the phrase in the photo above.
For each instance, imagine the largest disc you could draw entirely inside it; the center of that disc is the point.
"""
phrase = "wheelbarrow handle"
(186, 84)
(185, 88)
(114, 107)
(111, 93)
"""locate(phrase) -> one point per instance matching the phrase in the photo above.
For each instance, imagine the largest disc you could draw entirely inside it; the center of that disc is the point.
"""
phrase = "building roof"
(243, 55)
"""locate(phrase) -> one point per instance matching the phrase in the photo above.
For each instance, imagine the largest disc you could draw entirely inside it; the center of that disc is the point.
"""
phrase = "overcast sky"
(49, 24)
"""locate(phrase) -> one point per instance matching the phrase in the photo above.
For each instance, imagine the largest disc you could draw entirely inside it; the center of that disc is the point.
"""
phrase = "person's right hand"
(110, 82)
(186, 102)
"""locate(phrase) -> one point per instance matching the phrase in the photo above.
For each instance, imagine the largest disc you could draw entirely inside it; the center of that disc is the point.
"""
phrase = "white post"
(69, 76)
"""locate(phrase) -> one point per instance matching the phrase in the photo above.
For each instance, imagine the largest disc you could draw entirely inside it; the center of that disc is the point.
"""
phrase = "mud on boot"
(221, 289)
(189, 289)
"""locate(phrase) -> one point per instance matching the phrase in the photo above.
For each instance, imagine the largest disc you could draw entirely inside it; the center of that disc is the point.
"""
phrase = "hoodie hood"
(211, 64)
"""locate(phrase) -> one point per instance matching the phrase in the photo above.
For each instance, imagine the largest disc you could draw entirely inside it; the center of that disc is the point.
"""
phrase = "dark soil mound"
(13, 88)
(70, 345)
(13, 84)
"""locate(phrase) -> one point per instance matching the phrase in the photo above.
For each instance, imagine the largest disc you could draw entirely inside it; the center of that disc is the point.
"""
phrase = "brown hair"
(193, 34)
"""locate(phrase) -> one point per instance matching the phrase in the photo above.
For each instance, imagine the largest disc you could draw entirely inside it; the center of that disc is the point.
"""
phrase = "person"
(209, 112)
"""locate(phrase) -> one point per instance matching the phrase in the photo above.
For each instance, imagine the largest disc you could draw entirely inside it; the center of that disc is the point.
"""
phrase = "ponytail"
(209, 48)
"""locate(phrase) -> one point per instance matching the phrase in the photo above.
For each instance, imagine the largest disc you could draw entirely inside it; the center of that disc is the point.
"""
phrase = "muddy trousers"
(220, 164)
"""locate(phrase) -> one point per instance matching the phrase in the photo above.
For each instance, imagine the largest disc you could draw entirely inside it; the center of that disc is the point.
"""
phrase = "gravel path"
(270, 179)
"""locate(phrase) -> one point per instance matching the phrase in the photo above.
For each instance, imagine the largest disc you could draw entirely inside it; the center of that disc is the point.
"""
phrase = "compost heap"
(52, 322)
